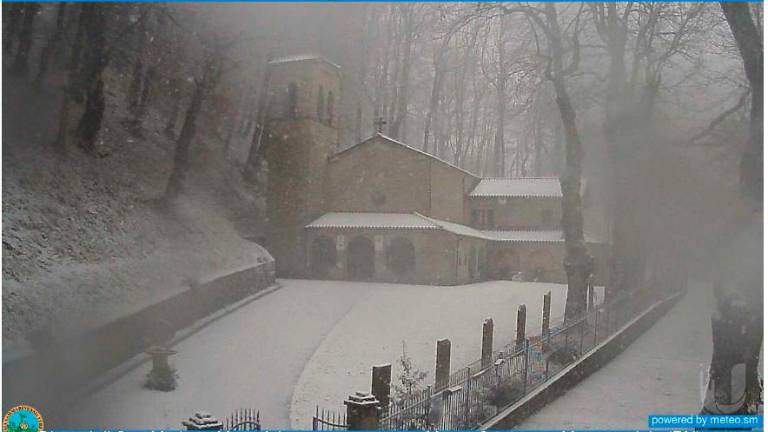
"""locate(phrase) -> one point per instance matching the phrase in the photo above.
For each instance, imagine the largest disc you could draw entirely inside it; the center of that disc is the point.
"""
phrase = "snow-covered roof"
(302, 57)
(418, 221)
(391, 140)
(372, 220)
(526, 236)
(518, 187)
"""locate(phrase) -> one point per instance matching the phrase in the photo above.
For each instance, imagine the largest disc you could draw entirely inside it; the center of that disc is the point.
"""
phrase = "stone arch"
(322, 256)
(540, 262)
(360, 258)
(401, 256)
(506, 263)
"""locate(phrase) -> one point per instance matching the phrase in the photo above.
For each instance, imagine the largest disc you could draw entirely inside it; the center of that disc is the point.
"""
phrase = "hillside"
(86, 238)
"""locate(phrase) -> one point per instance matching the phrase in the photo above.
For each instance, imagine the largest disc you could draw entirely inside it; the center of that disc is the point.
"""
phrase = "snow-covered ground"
(660, 373)
(314, 342)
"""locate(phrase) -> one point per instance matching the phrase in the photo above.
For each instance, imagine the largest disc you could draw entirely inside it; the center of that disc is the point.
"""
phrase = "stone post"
(442, 364)
(202, 421)
(362, 411)
(487, 348)
(591, 293)
(381, 378)
(545, 315)
(521, 316)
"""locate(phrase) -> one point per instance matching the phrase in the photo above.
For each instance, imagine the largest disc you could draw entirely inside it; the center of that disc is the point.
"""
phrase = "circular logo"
(22, 418)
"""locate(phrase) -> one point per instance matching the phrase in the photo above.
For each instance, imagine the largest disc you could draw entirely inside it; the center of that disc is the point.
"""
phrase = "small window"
(320, 104)
(329, 109)
(292, 99)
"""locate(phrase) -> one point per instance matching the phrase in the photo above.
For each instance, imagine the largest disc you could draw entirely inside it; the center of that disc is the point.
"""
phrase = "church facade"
(382, 210)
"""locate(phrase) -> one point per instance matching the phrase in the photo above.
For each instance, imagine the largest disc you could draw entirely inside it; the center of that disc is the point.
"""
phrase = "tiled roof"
(372, 220)
(302, 57)
(519, 187)
(406, 146)
(415, 220)
(526, 236)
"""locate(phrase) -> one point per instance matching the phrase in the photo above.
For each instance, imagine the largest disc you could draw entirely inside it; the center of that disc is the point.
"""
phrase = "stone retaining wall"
(47, 378)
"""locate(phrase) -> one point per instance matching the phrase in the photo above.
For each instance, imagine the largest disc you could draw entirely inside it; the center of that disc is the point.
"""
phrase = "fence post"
(545, 316)
(520, 325)
(442, 364)
(362, 411)
(381, 378)
(525, 367)
(486, 356)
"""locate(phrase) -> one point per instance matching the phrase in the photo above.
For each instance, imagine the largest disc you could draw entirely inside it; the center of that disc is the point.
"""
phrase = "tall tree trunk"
(750, 46)
(398, 129)
(21, 62)
(737, 327)
(73, 91)
(578, 263)
(12, 15)
(181, 159)
(501, 107)
(434, 98)
(94, 63)
(47, 53)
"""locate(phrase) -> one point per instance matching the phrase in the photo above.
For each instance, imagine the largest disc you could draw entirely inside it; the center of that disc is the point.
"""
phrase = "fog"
(150, 149)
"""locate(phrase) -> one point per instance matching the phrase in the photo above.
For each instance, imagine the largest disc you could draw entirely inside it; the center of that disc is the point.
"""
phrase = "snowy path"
(374, 331)
(251, 358)
(313, 342)
(658, 374)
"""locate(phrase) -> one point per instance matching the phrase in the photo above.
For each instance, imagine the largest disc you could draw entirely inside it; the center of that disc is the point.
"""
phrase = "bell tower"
(301, 133)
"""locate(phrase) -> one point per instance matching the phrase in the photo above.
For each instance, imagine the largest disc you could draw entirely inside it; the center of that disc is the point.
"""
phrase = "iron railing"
(480, 390)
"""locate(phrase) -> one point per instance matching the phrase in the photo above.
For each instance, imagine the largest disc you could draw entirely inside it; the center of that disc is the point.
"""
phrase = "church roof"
(303, 57)
(364, 220)
(372, 220)
(395, 142)
(518, 187)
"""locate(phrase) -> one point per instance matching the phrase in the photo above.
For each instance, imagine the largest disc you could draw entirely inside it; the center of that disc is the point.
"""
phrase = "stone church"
(382, 210)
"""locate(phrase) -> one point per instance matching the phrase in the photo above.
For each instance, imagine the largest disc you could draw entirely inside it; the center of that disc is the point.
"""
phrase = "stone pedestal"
(202, 421)
(442, 363)
(362, 411)
(486, 356)
(521, 317)
(381, 379)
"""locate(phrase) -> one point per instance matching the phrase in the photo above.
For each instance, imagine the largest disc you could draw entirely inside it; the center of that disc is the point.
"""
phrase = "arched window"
(322, 256)
(329, 108)
(320, 104)
(292, 99)
(401, 256)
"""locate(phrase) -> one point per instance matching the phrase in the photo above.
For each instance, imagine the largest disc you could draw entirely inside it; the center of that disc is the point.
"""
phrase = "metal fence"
(479, 391)
(329, 420)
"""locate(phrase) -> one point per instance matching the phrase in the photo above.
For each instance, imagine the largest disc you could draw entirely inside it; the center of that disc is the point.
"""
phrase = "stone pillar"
(521, 316)
(379, 257)
(442, 364)
(545, 314)
(381, 379)
(487, 348)
(202, 421)
(341, 256)
(591, 293)
(362, 411)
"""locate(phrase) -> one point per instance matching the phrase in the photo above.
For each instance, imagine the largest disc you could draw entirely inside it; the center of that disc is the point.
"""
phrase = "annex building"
(382, 210)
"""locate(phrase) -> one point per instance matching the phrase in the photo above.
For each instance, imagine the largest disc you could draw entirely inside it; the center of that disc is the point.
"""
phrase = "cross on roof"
(379, 124)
